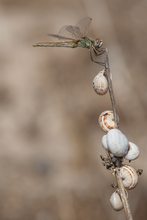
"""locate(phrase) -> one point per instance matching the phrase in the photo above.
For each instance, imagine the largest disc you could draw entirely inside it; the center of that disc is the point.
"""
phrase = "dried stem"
(123, 195)
(117, 176)
(111, 93)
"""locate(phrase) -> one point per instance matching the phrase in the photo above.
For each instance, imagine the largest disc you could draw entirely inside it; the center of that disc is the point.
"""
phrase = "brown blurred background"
(50, 141)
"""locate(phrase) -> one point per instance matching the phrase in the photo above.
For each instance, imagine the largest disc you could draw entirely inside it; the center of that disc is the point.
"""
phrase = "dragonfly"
(73, 36)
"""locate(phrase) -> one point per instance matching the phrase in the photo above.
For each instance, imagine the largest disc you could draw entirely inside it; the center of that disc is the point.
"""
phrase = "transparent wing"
(83, 25)
(70, 31)
(76, 32)
(60, 37)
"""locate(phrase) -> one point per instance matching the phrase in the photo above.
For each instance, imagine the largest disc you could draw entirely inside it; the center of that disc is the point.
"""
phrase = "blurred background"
(50, 141)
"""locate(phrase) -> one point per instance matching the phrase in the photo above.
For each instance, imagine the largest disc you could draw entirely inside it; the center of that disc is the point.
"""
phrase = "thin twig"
(117, 176)
(111, 93)
(123, 195)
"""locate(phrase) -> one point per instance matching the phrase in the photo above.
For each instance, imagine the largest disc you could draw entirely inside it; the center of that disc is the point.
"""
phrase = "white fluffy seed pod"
(100, 83)
(106, 120)
(117, 143)
(133, 152)
(129, 176)
(104, 143)
(116, 202)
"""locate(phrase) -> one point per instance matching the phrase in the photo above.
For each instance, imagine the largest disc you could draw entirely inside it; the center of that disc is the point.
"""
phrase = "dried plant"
(118, 148)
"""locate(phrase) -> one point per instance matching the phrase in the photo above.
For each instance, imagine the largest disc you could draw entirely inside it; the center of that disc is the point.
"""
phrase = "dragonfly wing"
(83, 25)
(78, 31)
(60, 37)
(70, 31)
(74, 30)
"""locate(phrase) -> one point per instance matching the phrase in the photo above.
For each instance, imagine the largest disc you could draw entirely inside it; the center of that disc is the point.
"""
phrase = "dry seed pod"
(106, 120)
(133, 152)
(129, 176)
(116, 202)
(117, 143)
(100, 83)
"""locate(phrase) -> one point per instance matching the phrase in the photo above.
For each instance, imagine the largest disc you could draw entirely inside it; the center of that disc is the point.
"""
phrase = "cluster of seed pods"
(117, 145)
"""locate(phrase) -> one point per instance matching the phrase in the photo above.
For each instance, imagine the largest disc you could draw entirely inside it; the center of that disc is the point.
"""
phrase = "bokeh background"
(50, 141)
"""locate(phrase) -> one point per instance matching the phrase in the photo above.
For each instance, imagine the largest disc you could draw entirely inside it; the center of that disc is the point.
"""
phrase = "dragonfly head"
(98, 43)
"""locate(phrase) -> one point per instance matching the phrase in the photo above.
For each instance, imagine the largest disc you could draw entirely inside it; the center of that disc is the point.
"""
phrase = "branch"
(123, 195)
(116, 173)
(111, 93)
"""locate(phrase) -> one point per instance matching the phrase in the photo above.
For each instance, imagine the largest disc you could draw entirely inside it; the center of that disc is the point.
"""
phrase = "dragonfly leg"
(95, 61)
(98, 51)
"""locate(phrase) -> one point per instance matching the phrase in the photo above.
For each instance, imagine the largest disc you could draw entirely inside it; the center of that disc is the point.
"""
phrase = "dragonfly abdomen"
(70, 44)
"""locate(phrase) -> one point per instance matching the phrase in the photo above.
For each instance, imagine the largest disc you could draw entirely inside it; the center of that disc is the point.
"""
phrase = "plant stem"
(111, 93)
(123, 195)
(117, 176)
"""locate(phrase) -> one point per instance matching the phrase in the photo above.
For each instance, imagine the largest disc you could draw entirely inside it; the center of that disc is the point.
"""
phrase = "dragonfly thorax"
(85, 42)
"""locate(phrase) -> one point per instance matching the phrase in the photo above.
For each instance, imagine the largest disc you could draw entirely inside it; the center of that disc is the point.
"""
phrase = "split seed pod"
(133, 152)
(129, 176)
(117, 143)
(100, 83)
(106, 120)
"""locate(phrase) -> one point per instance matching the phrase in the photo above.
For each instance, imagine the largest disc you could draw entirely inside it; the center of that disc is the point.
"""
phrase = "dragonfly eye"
(98, 43)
